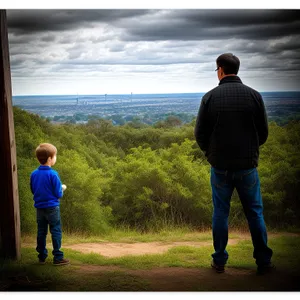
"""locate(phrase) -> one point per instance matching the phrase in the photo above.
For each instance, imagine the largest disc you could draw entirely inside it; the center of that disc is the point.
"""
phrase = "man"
(230, 127)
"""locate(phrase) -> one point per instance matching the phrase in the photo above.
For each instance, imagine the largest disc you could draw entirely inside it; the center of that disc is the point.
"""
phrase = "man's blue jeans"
(49, 216)
(247, 185)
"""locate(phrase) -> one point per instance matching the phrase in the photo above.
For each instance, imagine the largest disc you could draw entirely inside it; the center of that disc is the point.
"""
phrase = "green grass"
(131, 236)
(31, 276)
(28, 275)
(107, 281)
(286, 254)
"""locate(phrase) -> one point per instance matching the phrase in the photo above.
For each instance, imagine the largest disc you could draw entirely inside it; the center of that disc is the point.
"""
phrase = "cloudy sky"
(150, 51)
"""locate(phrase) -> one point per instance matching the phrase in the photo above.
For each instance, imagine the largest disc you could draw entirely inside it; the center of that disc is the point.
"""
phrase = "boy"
(46, 188)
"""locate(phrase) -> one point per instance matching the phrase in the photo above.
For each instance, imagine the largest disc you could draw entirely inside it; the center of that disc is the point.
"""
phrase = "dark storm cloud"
(238, 17)
(20, 39)
(28, 21)
(290, 43)
(152, 25)
(182, 26)
(214, 24)
(54, 42)
(48, 38)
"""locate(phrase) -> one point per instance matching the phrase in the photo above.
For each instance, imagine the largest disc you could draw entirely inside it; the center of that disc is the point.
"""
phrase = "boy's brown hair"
(43, 151)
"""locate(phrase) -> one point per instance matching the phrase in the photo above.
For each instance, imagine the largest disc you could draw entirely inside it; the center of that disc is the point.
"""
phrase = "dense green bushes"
(152, 188)
(147, 177)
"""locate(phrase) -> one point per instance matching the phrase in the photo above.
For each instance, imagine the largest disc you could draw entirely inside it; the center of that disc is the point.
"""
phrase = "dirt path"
(114, 278)
(122, 249)
(187, 279)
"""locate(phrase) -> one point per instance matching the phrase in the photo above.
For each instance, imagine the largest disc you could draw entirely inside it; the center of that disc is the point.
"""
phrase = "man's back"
(232, 126)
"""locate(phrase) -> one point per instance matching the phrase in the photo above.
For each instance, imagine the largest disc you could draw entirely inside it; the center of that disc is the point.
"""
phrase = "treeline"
(283, 119)
(148, 176)
(119, 119)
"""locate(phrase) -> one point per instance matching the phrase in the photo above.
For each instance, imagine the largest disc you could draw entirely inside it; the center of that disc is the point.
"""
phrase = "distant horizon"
(149, 108)
(36, 95)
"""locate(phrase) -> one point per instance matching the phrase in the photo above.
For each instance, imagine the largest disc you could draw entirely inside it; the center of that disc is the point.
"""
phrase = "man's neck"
(228, 75)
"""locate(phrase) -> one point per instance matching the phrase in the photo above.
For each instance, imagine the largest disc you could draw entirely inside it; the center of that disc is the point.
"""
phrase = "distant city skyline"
(65, 52)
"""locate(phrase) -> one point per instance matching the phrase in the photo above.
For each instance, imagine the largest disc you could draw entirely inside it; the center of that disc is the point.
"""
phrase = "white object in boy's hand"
(64, 187)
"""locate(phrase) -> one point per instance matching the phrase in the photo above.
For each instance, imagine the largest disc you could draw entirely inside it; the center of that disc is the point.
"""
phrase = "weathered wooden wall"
(10, 243)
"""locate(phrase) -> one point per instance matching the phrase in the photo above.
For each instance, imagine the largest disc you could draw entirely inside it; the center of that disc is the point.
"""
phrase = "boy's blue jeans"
(247, 185)
(49, 216)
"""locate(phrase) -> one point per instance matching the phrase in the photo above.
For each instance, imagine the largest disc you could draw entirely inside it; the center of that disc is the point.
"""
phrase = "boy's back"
(46, 187)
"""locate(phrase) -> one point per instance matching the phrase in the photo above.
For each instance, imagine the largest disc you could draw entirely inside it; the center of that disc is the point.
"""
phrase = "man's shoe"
(264, 269)
(218, 268)
(42, 261)
(61, 262)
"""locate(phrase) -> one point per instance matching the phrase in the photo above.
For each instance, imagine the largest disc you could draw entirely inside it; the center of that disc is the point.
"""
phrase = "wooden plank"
(9, 197)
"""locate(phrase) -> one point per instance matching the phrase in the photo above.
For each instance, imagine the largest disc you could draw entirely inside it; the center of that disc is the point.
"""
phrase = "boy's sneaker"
(264, 269)
(61, 262)
(42, 261)
(218, 268)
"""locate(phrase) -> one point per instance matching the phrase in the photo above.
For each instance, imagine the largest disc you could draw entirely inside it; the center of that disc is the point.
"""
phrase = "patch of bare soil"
(182, 279)
(189, 279)
(122, 249)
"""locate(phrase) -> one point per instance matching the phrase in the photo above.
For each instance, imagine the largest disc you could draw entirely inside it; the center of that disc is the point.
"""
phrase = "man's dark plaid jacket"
(231, 125)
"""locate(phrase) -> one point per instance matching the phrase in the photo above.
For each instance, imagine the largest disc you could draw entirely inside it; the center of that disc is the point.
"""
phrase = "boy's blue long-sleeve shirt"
(46, 187)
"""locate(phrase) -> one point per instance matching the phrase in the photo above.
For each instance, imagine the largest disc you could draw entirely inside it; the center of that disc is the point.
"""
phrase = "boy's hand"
(64, 187)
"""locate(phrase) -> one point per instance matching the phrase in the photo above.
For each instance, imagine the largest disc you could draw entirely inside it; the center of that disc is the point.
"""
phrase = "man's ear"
(221, 72)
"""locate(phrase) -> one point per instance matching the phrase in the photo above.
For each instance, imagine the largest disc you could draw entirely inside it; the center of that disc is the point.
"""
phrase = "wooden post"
(10, 243)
